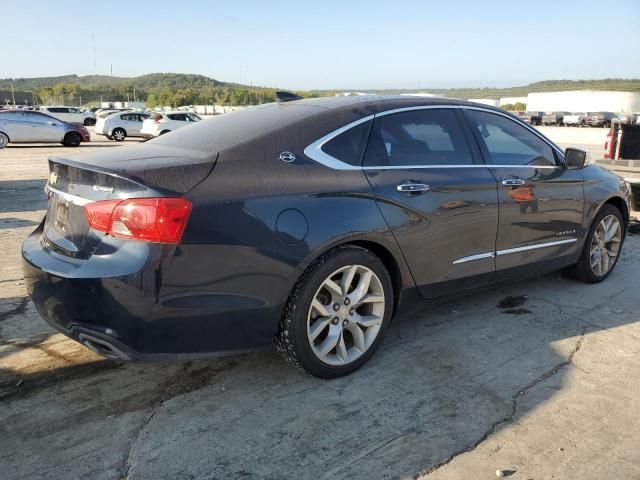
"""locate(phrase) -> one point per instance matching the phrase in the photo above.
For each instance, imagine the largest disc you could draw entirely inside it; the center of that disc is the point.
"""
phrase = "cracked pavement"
(537, 378)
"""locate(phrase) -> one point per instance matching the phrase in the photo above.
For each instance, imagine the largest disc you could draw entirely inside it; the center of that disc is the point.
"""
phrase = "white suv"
(160, 123)
(120, 125)
(70, 114)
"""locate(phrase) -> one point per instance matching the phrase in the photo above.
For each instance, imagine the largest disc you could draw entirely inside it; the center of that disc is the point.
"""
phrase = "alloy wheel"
(4, 140)
(605, 245)
(345, 315)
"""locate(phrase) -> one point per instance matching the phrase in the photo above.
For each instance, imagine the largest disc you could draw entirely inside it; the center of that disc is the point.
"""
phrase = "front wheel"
(88, 122)
(71, 139)
(4, 140)
(337, 313)
(602, 247)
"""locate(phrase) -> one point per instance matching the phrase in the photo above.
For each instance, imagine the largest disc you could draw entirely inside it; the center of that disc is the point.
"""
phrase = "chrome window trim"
(314, 150)
(68, 196)
(508, 251)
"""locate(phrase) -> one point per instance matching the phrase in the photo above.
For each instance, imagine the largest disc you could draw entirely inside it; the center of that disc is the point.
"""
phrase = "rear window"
(349, 146)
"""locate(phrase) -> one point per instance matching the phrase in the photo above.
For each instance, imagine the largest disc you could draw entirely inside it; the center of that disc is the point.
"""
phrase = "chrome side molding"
(481, 256)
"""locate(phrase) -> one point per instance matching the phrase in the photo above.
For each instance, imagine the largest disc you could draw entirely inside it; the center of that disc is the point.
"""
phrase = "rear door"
(541, 202)
(439, 200)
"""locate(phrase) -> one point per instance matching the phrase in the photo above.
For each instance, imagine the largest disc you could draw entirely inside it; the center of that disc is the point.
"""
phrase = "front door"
(437, 198)
(541, 202)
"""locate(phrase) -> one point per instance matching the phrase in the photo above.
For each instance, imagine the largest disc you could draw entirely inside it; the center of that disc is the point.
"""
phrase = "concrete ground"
(538, 379)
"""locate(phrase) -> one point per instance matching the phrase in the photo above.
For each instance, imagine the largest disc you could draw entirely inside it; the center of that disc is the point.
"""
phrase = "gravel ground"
(537, 378)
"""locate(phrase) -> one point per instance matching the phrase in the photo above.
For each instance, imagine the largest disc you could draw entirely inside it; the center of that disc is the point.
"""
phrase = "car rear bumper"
(115, 306)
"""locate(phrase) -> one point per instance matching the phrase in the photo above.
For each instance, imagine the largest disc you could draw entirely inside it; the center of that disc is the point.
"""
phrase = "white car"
(575, 119)
(121, 125)
(160, 123)
(70, 114)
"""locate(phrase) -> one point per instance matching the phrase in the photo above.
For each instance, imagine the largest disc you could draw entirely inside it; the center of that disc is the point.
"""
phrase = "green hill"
(185, 89)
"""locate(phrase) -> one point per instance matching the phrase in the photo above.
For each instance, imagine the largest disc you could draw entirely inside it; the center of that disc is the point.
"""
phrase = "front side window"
(425, 137)
(509, 143)
(181, 117)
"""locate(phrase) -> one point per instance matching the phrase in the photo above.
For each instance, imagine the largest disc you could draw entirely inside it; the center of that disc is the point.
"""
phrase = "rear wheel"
(337, 313)
(88, 122)
(4, 140)
(602, 247)
(71, 139)
(119, 134)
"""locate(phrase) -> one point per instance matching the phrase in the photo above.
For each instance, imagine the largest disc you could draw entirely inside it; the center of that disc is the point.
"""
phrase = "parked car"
(119, 126)
(310, 223)
(534, 118)
(600, 119)
(70, 114)
(554, 118)
(19, 126)
(625, 118)
(160, 123)
(576, 119)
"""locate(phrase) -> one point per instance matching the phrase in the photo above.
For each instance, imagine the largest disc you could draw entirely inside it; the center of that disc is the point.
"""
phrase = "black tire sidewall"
(584, 270)
(342, 257)
(71, 143)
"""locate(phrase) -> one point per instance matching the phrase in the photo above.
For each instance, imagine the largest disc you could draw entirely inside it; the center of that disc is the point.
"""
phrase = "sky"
(327, 44)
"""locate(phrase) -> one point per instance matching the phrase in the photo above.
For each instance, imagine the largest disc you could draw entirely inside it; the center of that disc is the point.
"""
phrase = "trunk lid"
(130, 172)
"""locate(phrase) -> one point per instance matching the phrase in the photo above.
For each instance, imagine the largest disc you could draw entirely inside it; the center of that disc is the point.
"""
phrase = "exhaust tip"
(102, 347)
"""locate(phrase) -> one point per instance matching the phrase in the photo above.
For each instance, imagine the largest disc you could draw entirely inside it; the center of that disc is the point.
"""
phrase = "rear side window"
(429, 137)
(58, 110)
(508, 142)
(349, 146)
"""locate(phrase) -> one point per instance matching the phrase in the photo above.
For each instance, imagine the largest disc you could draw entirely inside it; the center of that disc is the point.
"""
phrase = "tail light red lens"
(158, 220)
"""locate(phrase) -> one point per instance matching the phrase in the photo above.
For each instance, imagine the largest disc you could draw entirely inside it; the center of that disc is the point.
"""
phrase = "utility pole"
(13, 95)
(134, 95)
(112, 69)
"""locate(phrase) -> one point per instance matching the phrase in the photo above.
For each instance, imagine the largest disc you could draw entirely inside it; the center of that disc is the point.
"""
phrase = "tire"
(4, 140)
(303, 331)
(583, 271)
(89, 122)
(582, 123)
(71, 139)
(119, 134)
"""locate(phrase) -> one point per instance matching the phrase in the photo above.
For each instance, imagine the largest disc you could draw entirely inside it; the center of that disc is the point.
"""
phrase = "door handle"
(513, 182)
(410, 187)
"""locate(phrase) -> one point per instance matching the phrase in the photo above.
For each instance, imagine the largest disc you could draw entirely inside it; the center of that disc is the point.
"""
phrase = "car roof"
(310, 118)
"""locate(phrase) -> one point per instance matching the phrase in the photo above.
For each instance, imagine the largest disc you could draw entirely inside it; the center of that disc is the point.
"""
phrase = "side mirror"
(574, 159)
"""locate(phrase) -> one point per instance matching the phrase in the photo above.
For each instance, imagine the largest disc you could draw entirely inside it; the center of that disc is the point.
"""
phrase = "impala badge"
(287, 157)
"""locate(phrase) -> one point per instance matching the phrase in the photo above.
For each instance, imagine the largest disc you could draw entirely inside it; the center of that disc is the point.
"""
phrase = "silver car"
(19, 126)
(119, 126)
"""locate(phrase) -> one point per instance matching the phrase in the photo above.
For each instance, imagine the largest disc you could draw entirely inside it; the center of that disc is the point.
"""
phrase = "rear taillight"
(159, 220)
